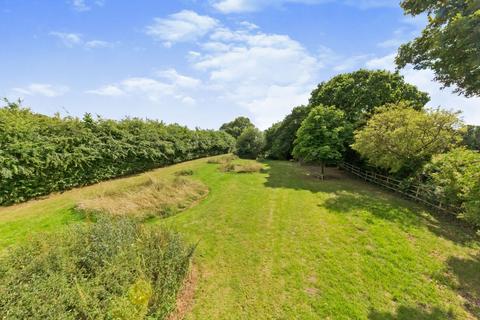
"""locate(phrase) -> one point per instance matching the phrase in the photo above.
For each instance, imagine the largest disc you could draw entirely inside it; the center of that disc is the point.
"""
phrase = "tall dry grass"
(154, 198)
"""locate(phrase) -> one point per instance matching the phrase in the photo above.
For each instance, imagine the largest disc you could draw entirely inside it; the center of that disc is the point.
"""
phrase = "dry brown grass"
(223, 159)
(241, 167)
(153, 198)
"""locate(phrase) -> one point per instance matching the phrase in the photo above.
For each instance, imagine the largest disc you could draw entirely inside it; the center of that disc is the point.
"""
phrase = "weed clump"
(112, 269)
(154, 198)
(223, 159)
(184, 172)
(241, 167)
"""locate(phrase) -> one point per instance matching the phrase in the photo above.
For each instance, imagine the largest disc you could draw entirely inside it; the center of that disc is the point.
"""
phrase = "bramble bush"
(41, 154)
(111, 269)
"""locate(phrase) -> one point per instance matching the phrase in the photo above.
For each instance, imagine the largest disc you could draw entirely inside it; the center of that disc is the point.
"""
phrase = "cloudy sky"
(198, 62)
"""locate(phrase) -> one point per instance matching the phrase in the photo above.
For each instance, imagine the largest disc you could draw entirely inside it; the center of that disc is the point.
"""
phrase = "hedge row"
(41, 154)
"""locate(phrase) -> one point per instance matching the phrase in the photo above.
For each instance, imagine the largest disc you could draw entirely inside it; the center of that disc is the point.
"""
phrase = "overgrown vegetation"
(41, 154)
(250, 143)
(455, 176)
(154, 198)
(111, 269)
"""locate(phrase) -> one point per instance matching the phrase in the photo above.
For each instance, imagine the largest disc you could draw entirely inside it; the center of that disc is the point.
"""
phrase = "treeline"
(41, 154)
(375, 119)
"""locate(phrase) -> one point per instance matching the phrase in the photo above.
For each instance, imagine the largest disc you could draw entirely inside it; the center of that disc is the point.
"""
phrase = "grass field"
(280, 244)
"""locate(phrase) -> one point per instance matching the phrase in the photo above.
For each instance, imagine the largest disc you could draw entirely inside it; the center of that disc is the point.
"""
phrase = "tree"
(320, 138)
(281, 136)
(237, 126)
(471, 138)
(401, 139)
(250, 143)
(449, 44)
(360, 92)
(455, 176)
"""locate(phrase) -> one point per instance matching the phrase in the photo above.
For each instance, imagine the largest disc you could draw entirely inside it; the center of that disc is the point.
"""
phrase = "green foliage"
(237, 126)
(41, 154)
(471, 138)
(250, 143)
(321, 137)
(449, 44)
(456, 177)
(281, 136)
(112, 269)
(401, 139)
(358, 93)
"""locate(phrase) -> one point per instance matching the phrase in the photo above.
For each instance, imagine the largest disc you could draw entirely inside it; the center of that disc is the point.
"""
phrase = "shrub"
(223, 159)
(153, 198)
(250, 143)
(112, 269)
(455, 176)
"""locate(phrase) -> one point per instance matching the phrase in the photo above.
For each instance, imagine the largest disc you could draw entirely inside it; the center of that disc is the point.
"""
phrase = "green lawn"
(283, 245)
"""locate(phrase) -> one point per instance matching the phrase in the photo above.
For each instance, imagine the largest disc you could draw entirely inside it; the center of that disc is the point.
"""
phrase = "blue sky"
(198, 63)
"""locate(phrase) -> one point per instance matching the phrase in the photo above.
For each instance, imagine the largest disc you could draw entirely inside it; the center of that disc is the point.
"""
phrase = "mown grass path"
(283, 245)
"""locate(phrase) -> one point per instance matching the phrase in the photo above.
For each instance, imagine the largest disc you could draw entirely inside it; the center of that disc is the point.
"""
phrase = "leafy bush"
(41, 154)
(250, 143)
(456, 178)
(112, 269)
(152, 199)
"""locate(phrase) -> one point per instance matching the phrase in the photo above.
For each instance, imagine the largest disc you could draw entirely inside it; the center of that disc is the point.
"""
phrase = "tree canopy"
(237, 126)
(280, 136)
(401, 139)
(359, 93)
(471, 138)
(320, 138)
(250, 143)
(449, 44)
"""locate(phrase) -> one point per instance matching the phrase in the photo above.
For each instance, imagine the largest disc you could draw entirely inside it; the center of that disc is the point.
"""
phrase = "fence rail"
(416, 192)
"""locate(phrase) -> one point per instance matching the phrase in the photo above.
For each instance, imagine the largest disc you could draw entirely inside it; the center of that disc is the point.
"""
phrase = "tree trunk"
(322, 175)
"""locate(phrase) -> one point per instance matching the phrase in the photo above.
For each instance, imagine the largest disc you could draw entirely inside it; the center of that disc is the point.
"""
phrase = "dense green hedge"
(41, 154)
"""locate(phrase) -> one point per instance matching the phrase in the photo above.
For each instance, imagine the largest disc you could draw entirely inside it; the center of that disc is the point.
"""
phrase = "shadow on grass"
(409, 313)
(466, 271)
(352, 195)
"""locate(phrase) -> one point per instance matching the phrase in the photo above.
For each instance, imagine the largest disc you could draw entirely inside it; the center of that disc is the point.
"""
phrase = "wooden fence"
(418, 193)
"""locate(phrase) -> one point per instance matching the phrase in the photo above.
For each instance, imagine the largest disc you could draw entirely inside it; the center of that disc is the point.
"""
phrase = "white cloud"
(177, 79)
(93, 44)
(109, 90)
(42, 89)
(267, 74)
(82, 6)
(180, 27)
(153, 89)
(71, 40)
(238, 6)
(423, 79)
(68, 39)
(350, 63)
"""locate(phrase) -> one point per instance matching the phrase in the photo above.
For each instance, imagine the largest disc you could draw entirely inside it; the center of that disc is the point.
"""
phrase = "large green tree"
(471, 138)
(402, 139)
(250, 143)
(280, 136)
(320, 138)
(449, 44)
(359, 93)
(236, 127)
